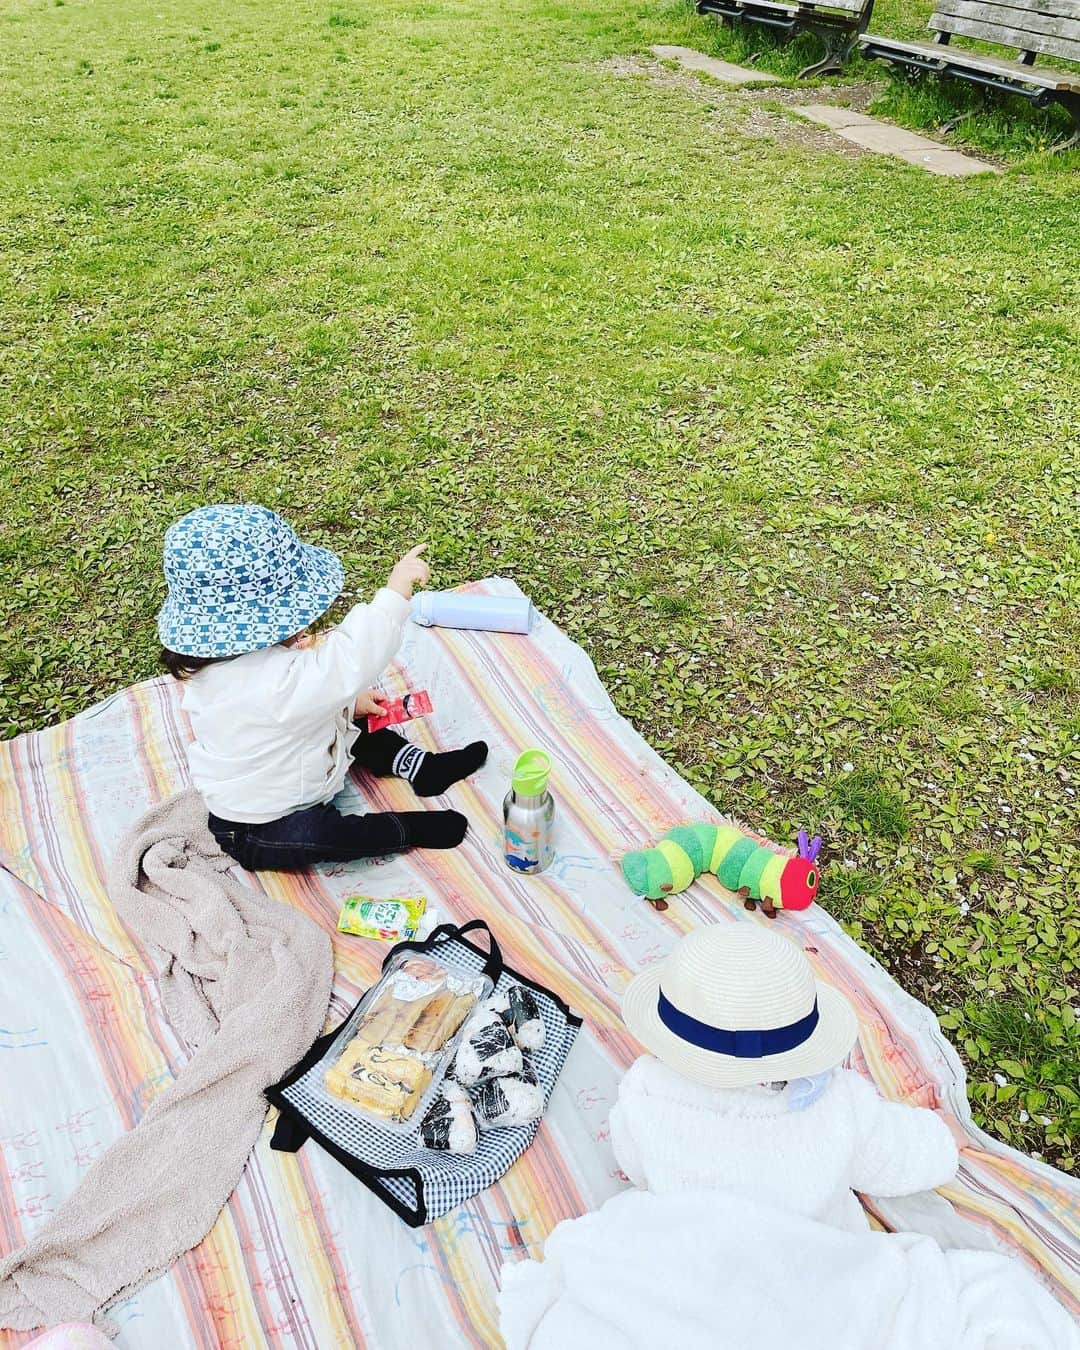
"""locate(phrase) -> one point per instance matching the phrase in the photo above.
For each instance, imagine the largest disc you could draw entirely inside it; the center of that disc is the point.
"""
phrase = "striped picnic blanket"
(303, 1256)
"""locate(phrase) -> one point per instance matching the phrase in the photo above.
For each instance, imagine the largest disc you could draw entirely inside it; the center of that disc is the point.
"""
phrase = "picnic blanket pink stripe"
(302, 1256)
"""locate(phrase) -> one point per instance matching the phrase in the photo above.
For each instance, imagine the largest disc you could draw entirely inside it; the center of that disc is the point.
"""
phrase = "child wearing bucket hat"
(273, 716)
(742, 1091)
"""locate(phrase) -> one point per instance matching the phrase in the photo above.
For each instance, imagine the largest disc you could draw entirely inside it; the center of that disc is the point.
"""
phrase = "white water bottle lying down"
(458, 609)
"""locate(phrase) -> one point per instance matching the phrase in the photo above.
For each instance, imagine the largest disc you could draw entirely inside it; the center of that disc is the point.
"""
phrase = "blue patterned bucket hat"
(240, 579)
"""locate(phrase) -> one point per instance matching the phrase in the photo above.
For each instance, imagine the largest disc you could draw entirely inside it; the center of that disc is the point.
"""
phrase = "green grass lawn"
(786, 438)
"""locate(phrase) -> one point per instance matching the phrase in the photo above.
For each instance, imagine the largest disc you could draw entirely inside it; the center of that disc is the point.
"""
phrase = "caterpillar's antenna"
(809, 848)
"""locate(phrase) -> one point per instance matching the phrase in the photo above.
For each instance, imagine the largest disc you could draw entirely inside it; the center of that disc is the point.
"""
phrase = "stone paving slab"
(709, 65)
(885, 139)
(949, 163)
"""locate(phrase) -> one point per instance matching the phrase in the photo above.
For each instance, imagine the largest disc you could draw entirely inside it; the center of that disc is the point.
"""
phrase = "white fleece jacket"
(273, 728)
(746, 1236)
(716, 1271)
(671, 1134)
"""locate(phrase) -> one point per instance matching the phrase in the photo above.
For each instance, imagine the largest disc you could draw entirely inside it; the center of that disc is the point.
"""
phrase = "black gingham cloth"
(417, 1183)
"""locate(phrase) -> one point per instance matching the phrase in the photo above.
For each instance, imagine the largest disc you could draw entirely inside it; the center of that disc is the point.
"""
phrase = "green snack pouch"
(386, 920)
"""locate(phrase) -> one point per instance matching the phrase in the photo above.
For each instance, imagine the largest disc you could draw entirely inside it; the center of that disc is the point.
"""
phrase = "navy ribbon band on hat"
(747, 1044)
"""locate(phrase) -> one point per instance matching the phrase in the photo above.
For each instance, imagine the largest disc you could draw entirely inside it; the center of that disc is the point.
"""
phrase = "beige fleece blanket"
(245, 981)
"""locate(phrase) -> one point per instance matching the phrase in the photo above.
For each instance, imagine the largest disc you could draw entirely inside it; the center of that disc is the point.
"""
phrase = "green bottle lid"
(531, 774)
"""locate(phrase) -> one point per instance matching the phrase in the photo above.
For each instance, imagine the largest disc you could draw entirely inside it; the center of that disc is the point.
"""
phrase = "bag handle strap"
(293, 1130)
(450, 932)
(290, 1134)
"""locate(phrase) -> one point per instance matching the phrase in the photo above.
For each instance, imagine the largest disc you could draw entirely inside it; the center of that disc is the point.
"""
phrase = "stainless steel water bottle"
(529, 815)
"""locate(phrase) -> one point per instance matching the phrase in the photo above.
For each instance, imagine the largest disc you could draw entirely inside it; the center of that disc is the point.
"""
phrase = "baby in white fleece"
(743, 1094)
(746, 1142)
(672, 1134)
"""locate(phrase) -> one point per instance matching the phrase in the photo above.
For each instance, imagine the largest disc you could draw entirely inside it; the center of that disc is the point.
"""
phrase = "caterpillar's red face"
(798, 883)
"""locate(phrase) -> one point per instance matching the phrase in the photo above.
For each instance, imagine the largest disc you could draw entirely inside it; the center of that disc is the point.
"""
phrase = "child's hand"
(369, 704)
(410, 572)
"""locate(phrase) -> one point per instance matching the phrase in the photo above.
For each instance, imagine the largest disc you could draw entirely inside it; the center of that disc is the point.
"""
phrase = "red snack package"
(402, 709)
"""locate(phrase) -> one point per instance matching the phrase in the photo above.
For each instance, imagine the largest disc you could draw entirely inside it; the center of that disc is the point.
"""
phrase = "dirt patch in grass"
(666, 77)
(858, 97)
(754, 112)
(765, 124)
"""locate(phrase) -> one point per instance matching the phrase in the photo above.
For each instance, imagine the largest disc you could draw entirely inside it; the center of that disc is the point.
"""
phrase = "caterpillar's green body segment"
(752, 869)
(691, 843)
(644, 871)
(680, 868)
(771, 881)
(730, 869)
(706, 835)
(739, 863)
(726, 837)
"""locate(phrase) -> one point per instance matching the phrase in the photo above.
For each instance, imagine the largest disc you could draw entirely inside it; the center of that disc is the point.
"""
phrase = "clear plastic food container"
(391, 1054)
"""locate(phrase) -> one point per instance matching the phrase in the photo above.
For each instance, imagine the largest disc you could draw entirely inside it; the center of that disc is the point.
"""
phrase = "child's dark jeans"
(321, 833)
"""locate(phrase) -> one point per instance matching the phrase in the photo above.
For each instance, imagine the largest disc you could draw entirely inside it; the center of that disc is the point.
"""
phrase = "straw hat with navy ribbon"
(240, 579)
(738, 1004)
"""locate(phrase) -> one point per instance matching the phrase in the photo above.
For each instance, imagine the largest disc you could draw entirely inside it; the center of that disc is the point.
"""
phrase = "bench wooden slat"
(1002, 15)
(980, 61)
(768, 6)
(849, 6)
(1026, 41)
(1050, 9)
(1063, 9)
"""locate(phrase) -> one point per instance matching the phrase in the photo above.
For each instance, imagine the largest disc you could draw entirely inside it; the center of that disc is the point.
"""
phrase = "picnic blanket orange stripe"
(302, 1255)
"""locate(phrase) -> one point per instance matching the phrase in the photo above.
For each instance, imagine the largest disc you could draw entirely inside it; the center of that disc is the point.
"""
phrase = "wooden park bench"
(837, 23)
(1031, 27)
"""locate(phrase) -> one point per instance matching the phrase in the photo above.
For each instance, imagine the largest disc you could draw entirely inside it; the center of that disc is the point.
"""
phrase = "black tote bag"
(417, 1183)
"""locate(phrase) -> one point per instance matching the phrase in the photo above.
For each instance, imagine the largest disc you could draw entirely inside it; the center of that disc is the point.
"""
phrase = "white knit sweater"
(671, 1134)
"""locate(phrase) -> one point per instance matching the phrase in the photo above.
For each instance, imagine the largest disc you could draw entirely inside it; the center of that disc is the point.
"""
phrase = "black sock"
(376, 750)
(432, 829)
(387, 752)
(430, 773)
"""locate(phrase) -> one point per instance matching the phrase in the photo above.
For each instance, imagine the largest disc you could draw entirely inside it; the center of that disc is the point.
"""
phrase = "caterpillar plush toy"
(751, 870)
